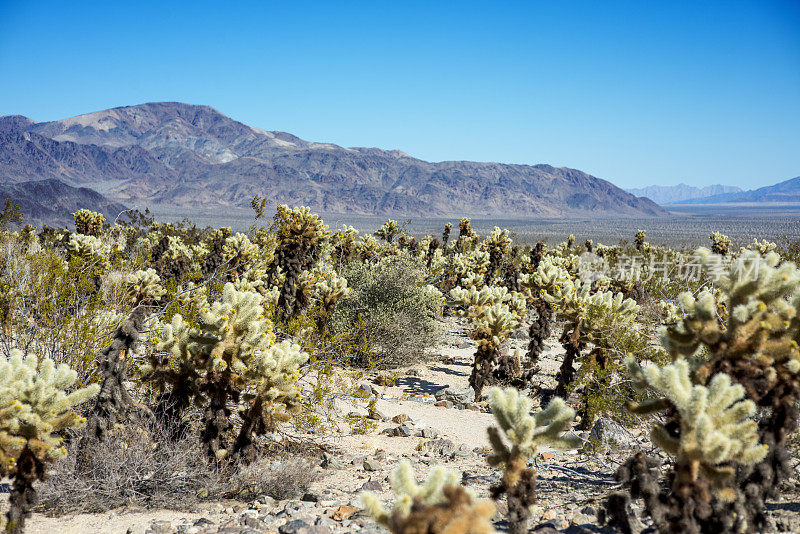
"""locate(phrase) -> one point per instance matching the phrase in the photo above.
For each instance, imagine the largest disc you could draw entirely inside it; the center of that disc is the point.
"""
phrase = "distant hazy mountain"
(193, 156)
(670, 194)
(788, 191)
(52, 202)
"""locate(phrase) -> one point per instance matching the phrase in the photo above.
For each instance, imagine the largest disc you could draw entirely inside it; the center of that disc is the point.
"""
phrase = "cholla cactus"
(516, 439)
(720, 244)
(272, 394)
(237, 253)
(388, 231)
(710, 434)
(222, 359)
(570, 241)
(546, 277)
(329, 290)
(497, 243)
(90, 250)
(495, 312)
(143, 285)
(755, 344)
(589, 245)
(763, 247)
(639, 239)
(344, 244)
(716, 425)
(438, 506)
(34, 407)
(587, 317)
(448, 227)
(300, 236)
(88, 222)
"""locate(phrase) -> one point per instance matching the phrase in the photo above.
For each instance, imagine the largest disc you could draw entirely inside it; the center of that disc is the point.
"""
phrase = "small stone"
(400, 418)
(549, 515)
(344, 512)
(310, 497)
(371, 465)
(445, 447)
(443, 404)
(371, 485)
(428, 433)
(610, 434)
(464, 345)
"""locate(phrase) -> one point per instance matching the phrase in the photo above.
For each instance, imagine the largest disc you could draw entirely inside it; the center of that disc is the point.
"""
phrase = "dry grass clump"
(148, 467)
(286, 478)
(136, 465)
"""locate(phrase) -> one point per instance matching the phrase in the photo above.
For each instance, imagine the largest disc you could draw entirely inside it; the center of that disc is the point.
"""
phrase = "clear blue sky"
(634, 92)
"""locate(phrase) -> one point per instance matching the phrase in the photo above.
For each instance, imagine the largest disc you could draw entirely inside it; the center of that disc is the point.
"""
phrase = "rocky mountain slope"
(52, 202)
(194, 156)
(670, 194)
(786, 191)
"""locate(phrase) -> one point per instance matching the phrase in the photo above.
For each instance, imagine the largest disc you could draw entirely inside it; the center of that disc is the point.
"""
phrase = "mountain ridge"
(187, 155)
(52, 201)
(669, 194)
(785, 191)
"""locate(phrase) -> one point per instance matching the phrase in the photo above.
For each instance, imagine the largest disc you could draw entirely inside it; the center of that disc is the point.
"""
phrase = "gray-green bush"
(397, 307)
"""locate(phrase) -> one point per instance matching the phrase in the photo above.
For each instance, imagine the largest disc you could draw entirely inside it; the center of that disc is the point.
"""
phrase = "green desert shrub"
(397, 308)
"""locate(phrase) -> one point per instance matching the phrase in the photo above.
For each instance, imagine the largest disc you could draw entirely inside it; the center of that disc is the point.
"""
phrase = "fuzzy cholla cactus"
(226, 357)
(588, 317)
(495, 312)
(762, 297)
(90, 250)
(88, 222)
(546, 277)
(143, 285)
(516, 439)
(388, 231)
(438, 506)
(272, 393)
(763, 247)
(754, 346)
(329, 290)
(639, 239)
(300, 236)
(720, 244)
(715, 423)
(34, 407)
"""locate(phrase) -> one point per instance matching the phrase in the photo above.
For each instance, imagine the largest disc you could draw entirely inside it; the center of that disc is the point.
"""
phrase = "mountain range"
(670, 194)
(52, 201)
(787, 191)
(193, 156)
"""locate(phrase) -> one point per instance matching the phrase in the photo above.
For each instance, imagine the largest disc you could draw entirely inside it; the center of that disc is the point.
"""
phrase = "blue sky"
(638, 92)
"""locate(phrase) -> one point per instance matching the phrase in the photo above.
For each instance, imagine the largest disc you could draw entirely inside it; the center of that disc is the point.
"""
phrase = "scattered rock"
(400, 418)
(456, 396)
(444, 447)
(330, 462)
(344, 512)
(371, 485)
(371, 465)
(609, 434)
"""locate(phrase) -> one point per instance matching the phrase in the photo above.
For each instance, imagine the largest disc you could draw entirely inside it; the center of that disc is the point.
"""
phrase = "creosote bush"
(397, 308)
